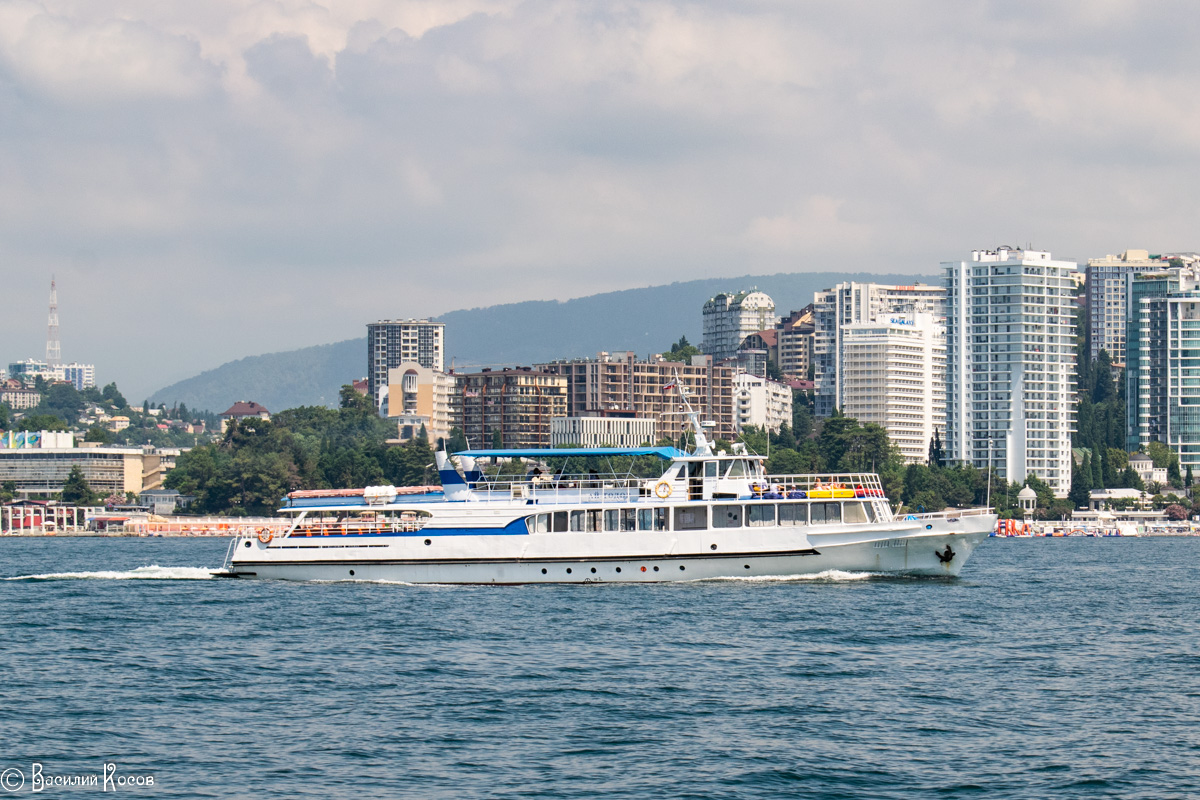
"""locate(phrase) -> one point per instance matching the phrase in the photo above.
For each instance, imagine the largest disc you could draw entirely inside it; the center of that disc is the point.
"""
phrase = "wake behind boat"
(705, 515)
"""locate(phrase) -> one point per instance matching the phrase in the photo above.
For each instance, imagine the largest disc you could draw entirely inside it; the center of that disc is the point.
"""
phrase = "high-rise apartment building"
(391, 343)
(1162, 378)
(795, 340)
(1106, 297)
(1010, 328)
(852, 302)
(618, 382)
(761, 402)
(893, 373)
(518, 404)
(730, 318)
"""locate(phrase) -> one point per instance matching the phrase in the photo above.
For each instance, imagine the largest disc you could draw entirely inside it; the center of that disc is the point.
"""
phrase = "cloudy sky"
(220, 179)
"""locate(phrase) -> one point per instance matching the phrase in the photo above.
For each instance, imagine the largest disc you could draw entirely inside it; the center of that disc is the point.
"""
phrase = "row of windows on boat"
(690, 518)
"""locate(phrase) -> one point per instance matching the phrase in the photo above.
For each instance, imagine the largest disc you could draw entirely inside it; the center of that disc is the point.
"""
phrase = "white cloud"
(280, 172)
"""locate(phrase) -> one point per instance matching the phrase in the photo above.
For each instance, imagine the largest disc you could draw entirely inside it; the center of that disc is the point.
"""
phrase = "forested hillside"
(516, 333)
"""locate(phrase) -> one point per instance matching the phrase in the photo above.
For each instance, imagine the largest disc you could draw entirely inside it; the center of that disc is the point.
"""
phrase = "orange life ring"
(265, 536)
(662, 490)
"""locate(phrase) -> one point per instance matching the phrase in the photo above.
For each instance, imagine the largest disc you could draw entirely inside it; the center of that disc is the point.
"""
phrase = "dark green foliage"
(682, 351)
(257, 462)
(76, 491)
(458, 442)
(937, 454)
(4, 412)
(61, 400)
(1098, 470)
(98, 434)
(41, 422)
(1081, 483)
(113, 397)
(351, 398)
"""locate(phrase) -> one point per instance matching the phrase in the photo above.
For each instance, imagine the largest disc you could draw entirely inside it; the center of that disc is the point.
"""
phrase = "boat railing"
(356, 527)
(560, 485)
(861, 484)
(950, 515)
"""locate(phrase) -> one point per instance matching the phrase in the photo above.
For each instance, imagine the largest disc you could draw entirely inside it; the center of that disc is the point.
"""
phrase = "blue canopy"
(666, 453)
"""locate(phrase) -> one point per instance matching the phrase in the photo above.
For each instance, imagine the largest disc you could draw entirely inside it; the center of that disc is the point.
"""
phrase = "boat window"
(758, 516)
(660, 519)
(816, 513)
(737, 469)
(855, 512)
(594, 521)
(629, 519)
(710, 469)
(612, 519)
(645, 519)
(793, 513)
(691, 518)
(560, 521)
(833, 512)
(727, 516)
(577, 520)
(538, 523)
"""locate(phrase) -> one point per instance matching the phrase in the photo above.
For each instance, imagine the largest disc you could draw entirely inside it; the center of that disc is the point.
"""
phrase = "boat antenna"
(988, 502)
(703, 448)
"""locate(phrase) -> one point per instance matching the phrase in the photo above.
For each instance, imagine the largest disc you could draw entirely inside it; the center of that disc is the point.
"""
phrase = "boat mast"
(703, 447)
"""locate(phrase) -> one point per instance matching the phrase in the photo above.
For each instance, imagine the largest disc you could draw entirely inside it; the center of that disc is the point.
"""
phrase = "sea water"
(1051, 668)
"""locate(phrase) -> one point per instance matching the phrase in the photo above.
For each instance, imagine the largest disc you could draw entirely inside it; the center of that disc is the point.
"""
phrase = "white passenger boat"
(705, 515)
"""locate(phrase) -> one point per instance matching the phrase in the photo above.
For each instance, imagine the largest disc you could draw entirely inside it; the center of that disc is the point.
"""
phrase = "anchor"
(945, 557)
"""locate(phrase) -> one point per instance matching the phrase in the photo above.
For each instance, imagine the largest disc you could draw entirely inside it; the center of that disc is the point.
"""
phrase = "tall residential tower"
(391, 343)
(1009, 364)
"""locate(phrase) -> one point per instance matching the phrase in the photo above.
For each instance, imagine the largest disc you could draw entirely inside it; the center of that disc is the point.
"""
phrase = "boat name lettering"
(892, 543)
(596, 496)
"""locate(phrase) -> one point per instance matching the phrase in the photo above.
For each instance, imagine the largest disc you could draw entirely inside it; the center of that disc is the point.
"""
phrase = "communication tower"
(53, 348)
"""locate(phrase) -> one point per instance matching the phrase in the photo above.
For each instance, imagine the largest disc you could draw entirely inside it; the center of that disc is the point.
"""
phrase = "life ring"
(265, 536)
(662, 490)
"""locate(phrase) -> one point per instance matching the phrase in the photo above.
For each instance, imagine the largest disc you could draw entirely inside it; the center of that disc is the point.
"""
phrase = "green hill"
(643, 320)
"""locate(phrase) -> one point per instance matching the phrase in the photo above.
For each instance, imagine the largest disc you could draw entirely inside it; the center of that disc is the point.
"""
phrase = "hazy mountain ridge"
(644, 320)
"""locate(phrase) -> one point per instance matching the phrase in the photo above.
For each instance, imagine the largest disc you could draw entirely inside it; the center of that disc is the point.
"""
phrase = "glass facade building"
(1163, 373)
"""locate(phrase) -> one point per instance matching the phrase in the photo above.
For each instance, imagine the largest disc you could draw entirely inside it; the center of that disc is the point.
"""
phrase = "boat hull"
(921, 552)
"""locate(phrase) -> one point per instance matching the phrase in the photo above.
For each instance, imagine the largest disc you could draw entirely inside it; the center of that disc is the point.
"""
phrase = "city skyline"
(212, 183)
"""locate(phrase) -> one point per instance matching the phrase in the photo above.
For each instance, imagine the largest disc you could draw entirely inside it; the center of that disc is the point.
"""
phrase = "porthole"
(543, 570)
(747, 566)
(593, 569)
(656, 569)
(568, 570)
(928, 527)
(712, 547)
(618, 569)
(352, 572)
(681, 567)
(428, 542)
(247, 544)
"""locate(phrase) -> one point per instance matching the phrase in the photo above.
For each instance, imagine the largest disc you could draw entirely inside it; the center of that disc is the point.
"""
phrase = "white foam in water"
(826, 575)
(150, 573)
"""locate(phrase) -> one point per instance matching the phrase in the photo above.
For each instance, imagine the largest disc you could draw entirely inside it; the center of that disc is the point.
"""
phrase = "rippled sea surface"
(1051, 668)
